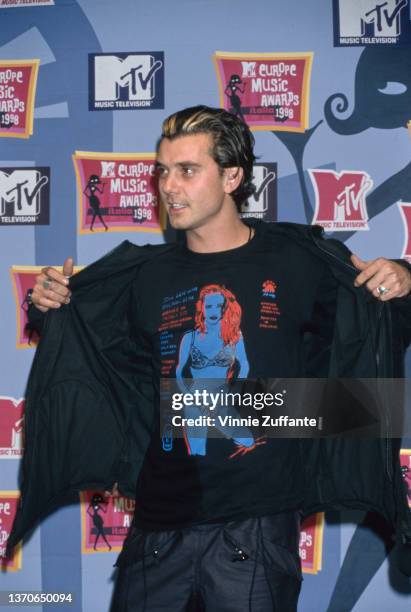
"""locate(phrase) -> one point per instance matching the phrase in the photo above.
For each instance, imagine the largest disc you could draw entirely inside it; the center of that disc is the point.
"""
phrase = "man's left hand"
(384, 278)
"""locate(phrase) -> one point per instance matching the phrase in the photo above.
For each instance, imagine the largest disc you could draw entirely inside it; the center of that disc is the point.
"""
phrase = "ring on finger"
(381, 290)
(47, 283)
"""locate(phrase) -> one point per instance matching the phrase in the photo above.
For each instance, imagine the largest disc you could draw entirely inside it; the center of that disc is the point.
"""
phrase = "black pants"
(240, 566)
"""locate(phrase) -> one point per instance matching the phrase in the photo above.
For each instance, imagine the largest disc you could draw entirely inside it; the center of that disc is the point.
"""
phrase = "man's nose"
(170, 183)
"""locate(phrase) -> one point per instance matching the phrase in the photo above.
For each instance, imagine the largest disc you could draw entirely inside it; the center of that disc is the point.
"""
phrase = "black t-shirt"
(238, 313)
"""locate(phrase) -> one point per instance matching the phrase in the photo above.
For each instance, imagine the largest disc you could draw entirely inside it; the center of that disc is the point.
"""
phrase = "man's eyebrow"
(188, 163)
(159, 164)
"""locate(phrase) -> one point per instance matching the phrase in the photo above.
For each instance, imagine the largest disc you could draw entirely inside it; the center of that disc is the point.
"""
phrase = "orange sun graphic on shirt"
(269, 286)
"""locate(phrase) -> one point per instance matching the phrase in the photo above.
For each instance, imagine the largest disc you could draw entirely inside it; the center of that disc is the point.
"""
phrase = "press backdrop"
(84, 86)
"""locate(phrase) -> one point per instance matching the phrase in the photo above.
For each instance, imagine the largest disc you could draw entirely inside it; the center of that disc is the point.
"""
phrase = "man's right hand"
(50, 290)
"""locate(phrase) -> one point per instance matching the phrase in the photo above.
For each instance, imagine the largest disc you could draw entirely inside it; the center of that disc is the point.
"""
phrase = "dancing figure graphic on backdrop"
(90, 192)
(96, 504)
(232, 89)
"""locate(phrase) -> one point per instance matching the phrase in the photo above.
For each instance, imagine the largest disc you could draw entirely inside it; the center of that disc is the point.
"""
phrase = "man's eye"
(187, 170)
(160, 171)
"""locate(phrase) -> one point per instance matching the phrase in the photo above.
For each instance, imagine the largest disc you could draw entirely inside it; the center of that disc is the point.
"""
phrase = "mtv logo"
(405, 209)
(11, 423)
(248, 69)
(259, 201)
(340, 202)
(355, 15)
(107, 169)
(21, 188)
(133, 73)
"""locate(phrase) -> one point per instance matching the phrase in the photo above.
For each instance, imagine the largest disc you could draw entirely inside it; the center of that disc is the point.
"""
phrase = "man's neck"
(223, 237)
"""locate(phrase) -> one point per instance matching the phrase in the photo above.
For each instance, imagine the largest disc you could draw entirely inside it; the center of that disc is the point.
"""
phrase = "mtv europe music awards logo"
(263, 202)
(117, 191)
(126, 81)
(340, 199)
(24, 196)
(269, 91)
(18, 80)
(371, 22)
(11, 427)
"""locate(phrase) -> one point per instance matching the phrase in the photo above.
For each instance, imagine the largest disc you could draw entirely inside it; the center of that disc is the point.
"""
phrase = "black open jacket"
(90, 409)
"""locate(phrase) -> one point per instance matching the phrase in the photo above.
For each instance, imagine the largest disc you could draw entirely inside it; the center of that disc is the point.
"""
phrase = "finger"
(394, 291)
(54, 286)
(57, 289)
(358, 263)
(373, 267)
(56, 297)
(68, 267)
(44, 302)
(380, 280)
(56, 276)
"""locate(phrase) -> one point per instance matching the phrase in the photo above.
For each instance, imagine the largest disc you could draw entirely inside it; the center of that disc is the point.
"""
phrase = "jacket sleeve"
(88, 412)
(401, 316)
(36, 319)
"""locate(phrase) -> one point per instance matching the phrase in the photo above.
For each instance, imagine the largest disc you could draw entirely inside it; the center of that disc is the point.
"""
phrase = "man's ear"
(233, 177)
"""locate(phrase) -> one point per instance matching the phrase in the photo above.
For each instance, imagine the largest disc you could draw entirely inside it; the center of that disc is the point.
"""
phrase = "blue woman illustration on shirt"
(214, 350)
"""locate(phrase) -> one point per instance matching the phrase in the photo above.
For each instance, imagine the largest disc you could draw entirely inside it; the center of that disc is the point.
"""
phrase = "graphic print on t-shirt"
(175, 314)
(269, 310)
(212, 350)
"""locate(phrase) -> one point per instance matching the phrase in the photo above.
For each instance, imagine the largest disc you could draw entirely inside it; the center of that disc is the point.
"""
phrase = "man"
(217, 521)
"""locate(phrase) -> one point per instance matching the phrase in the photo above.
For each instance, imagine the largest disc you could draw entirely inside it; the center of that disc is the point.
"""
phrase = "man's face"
(192, 188)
